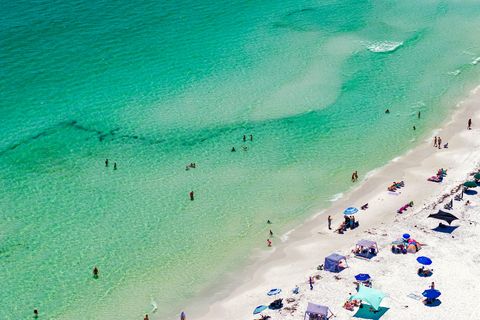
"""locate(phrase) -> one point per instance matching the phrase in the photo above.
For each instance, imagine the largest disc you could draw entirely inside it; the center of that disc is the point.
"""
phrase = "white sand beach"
(293, 261)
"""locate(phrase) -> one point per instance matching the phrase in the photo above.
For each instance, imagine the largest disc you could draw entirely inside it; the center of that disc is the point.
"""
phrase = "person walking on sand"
(432, 286)
(435, 142)
(310, 282)
(329, 222)
(469, 125)
(439, 142)
(269, 242)
(183, 316)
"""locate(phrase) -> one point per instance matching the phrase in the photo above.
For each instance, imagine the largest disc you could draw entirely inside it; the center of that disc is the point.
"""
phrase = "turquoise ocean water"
(155, 85)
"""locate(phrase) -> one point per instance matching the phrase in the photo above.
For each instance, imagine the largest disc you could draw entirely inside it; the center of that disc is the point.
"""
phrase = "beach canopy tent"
(470, 184)
(445, 216)
(367, 244)
(316, 311)
(477, 176)
(369, 295)
(335, 262)
(364, 248)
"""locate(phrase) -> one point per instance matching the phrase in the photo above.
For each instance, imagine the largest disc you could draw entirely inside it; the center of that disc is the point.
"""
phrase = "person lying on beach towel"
(349, 305)
(435, 179)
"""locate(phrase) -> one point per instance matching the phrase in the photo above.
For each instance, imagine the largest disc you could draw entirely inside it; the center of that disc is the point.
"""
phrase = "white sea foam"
(336, 197)
(455, 73)
(286, 235)
(383, 46)
(476, 60)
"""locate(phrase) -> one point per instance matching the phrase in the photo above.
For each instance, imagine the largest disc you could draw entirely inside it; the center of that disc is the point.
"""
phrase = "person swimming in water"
(114, 166)
(233, 149)
(387, 111)
(35, 313)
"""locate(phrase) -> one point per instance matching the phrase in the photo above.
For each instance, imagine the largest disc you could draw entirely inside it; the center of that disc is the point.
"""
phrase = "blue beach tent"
(333, 262)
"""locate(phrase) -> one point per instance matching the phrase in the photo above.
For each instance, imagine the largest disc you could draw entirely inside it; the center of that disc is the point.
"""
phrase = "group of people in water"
(114, 164)
(245, 148)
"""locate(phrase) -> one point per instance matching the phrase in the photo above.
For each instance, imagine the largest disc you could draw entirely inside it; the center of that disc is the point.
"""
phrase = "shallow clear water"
(156, 85)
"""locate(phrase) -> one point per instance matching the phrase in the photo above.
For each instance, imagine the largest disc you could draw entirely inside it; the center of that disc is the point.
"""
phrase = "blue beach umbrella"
(362, 277)
(406, 236)
(259, 309)
(431, 294)
(274, 292)
(350, 211)
(424, 260)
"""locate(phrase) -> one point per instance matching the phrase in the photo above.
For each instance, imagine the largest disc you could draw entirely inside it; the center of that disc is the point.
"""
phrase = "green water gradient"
(156, 85)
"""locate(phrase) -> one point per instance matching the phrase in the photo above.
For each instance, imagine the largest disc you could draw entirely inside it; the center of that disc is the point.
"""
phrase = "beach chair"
(459, 196)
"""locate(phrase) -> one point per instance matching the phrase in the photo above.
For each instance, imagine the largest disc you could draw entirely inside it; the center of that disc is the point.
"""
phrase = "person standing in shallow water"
(35, 313)
(114, 166)
(418, 114)
(244, 138)
(106, 162)
(192, 196)
(95, 272)
(251, 137)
